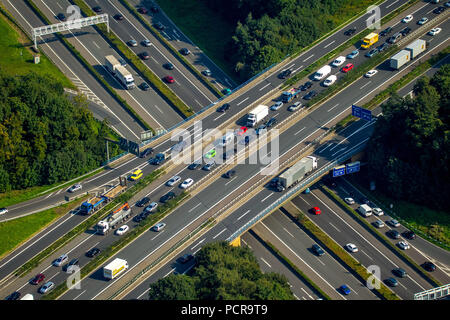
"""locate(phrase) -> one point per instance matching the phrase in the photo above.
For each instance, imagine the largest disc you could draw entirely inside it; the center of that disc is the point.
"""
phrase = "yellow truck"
(369, 40)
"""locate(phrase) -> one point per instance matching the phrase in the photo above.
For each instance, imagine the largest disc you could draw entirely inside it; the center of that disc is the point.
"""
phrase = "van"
(227, 138)
(365, 210)
(28, 296)
(322, 72)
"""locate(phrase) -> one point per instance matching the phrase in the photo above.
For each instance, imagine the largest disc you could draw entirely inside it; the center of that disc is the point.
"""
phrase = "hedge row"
(198, 74)
(82, 227)
(380, 237)
(338, 251)
(120, 243)
(134, 60)
(91, 69)
(280, 256)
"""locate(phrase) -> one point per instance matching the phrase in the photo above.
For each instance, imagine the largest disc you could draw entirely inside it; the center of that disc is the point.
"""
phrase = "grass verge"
(15, 232)
(91, 69)
(186, 63)
(380, 237)
(86, 224)
(339, 252)
(16, 55)
(159, 86)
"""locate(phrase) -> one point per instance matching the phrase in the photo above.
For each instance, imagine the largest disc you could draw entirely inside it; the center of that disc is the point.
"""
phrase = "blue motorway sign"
(338, 171)
(352, 167)
(361, 113)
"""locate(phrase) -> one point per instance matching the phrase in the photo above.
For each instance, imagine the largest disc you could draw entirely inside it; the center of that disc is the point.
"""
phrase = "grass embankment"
(17, 56)
(15, 232)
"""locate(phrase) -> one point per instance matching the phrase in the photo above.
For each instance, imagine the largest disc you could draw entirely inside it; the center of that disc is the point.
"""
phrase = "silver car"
(152, 206)
(75, 187)
(295, 106)
(173, 180)
(61, 260)
(47, 287)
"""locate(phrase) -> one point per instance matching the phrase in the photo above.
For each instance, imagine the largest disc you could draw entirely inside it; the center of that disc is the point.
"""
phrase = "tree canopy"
(223, 272)
(408, 154)
(45, 137)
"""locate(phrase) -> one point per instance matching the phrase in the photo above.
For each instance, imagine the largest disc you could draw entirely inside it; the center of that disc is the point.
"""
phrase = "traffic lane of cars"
(370, 251)
(421, 248)
(96, 49)
(190, 90)
(293, 237)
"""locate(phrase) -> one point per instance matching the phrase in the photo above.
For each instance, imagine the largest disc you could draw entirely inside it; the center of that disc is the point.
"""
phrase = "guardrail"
(290, 193)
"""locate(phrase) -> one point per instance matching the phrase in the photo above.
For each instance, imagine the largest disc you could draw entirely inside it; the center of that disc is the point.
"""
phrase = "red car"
(169, 79)
(316, 210)
(241, 131)
(38, 279)
(347, 68)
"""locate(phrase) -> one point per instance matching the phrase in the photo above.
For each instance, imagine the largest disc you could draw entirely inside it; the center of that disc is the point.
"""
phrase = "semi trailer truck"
(98, 202)
(111, 221)
(120, 72)
(297, 172)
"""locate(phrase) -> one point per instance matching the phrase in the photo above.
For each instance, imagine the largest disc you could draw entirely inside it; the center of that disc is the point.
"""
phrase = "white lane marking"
(158, 108)
(333, 107)
(243, 101)
(330, 44)
(49, 195)
(190, 210)
(265, 86)
(95, 44)
(230, 181)
(334, 226)
(266, 262)
(299, 131)
(159, 233)
(328, 145)
(305, 201)
(366, 254)
(219, 233)
(243, 215)
(392, 4)
(196, 251)
(352, 290)
(318, 259)
(267, 197)
(198, 243)
(219, 117)
(146, 291)
(309, 57)
(368, 82)
(82, 243)
(296, 296)
(79, 295)
(306, 293)
(344, 148)
(52, 276)
(288, 232)
(169, 272)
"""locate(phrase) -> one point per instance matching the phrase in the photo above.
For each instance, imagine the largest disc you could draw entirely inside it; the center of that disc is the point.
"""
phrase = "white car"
(146, 43)
(351, 247)
(152, 206)
(122, 230)
(61, 260)
(276, 106)
(187, 183)
(207, 73)
(371, 73)
(349, 200)
(394, 223)
(295, 106)
(377, 211)
(422, 21)
(338, 61)
(407, 19)
(434, 31)
(173, 180)
(132, 43)
(403, 245)
(378, 224)
(3, 210)
(330, 80)
(75, 187)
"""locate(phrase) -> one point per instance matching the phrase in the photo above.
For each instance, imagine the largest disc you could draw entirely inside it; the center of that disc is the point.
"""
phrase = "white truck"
(112, 220)
(365, 210)
(120, 72)
(416, 47)
(257, 114)
(297, 172)
(322, 72)
(400, 59)
(114, 268)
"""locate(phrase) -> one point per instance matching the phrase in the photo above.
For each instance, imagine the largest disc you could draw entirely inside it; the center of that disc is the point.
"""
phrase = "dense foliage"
(223, 272)
(268, 30)
(409, 152)
(45, 137)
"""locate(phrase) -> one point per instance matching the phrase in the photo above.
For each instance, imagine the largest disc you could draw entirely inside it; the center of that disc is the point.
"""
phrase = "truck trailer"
(369, 40)
(400, 59)
(111, 221)
(297, 172)
(416, 47)
(114, 268)
(97, 202)
(257, 114)
(119, 71)
(290, 94)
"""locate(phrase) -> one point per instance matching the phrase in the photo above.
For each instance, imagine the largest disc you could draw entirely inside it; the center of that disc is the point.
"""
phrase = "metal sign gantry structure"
(68, 25)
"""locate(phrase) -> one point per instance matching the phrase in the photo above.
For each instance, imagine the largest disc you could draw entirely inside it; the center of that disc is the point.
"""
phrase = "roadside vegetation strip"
(380, 237)
(339, 252)
(16, 55)
(352, 41)
(198, 74)
(122, 242)
(86, 224)
(148, 75)
(91, 69)
(283, 258)
(15, 232)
